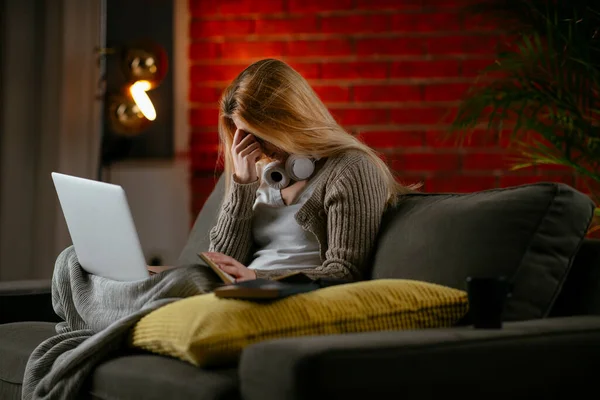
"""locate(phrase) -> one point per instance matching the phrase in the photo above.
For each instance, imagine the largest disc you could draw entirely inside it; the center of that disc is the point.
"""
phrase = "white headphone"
(298, 168)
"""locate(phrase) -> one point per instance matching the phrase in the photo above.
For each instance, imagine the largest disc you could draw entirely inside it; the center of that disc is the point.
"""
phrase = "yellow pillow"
(207, 331)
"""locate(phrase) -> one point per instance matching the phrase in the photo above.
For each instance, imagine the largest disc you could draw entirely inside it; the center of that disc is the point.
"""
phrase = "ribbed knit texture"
(98, 314)
(344, 213)
(209, 331)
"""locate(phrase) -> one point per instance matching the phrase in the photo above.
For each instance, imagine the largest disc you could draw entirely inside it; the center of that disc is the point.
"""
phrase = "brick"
(588, 186)
(390, 46)
(200, 8)
(445, 91)
(319, 5)
(214, 72)
(243, 50)
(354, 70)
(459, 183)
(553, 168)
(204, 117)
(408, 5)
(474, 67)
(392, 139)
(203, 161)
(204, 94)
(355, 23)
(478, 23)
(373, 116)
(334, 47)
(487, 161)
(461, 45)
(204, 50)
(432, 6)
(387, 93)
(239, 7)
(333, 94)
(204, 138)
(429, 161)
(430, 22)
(425, 69)
(506, 138)
(204, 29)
(203, 183)
(441, 139)
(204, 149)
(485, 44)
(307, 70)
(420, 116)
(303, 24)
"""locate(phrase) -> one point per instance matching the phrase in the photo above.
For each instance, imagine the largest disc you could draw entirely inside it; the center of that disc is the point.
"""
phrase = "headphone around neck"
(297, 168)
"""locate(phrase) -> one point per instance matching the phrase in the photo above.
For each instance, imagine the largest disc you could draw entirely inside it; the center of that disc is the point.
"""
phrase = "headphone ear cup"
(299, 168)
(275, 175)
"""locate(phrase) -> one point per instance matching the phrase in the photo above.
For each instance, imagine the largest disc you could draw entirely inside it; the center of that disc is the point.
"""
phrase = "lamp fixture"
(140, 97)
(126, 117)
(144, 65)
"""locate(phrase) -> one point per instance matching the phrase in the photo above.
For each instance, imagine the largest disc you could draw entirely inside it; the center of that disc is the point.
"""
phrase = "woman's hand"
(232, 266)
(245, 152)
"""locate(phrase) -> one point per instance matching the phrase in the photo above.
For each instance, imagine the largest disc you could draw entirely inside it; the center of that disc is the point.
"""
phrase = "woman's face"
(268, 149)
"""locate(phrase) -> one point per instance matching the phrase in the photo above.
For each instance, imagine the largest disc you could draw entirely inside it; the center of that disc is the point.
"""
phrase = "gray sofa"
(549, 346)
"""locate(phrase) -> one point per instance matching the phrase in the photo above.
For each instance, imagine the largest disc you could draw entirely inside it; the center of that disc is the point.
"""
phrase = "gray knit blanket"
(97, 315)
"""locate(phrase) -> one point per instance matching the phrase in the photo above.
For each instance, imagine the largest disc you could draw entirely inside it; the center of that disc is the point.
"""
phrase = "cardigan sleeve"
(354, 204)
(232, 234)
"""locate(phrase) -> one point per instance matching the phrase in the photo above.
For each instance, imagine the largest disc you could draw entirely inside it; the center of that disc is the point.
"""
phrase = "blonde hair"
(278, 105)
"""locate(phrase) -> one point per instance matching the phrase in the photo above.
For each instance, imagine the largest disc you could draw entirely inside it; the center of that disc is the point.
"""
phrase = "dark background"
(128, 22)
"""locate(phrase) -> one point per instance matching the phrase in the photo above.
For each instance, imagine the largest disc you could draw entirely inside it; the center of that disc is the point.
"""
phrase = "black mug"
(487, 297)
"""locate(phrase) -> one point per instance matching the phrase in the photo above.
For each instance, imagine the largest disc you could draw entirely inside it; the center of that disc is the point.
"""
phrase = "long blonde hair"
(279, 106)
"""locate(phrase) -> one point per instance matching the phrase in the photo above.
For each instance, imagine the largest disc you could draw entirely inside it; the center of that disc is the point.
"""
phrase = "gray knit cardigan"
(344, 213)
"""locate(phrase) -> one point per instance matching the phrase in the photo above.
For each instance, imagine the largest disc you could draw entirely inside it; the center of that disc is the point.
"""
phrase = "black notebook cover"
(263, 289)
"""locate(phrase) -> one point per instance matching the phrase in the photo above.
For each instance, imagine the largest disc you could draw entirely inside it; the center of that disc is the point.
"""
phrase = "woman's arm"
(232, 235)
(355, 204)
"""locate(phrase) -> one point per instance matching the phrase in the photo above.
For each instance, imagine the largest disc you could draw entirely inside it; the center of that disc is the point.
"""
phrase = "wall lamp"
(144, 65)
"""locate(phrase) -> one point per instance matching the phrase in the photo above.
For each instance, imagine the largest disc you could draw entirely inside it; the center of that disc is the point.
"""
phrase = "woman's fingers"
(248, 150)
(244, 143)
(219, 259)
(237, 136)
(216, 256)
(256, 153)
(231, 270)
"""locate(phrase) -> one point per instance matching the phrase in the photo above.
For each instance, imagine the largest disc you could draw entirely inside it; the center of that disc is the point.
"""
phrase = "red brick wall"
(390, 70)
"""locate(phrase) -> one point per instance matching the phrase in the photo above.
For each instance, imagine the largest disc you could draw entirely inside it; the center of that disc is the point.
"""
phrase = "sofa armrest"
(541, 357)
(26, 301)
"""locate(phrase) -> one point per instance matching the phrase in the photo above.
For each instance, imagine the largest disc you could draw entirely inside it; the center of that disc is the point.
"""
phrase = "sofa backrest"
(199, 239)
(529, 234)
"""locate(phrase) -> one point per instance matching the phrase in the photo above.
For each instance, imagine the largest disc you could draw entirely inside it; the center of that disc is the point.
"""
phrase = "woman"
(324, 225)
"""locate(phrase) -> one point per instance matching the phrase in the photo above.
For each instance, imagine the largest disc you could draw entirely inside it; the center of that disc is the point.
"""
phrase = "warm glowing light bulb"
(138, 92)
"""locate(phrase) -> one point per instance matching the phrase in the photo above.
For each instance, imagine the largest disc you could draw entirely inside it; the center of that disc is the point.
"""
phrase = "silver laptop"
(101, 228)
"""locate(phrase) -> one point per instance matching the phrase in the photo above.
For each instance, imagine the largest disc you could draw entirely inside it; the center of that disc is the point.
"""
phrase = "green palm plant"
(543, 87)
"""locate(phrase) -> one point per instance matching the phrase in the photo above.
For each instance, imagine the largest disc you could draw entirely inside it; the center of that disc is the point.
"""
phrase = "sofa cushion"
(529, 234)
(144, 376)
(17, 341)
(207, 330)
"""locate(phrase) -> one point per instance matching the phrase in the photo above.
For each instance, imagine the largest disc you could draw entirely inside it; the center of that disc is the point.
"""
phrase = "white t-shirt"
(280, 242)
